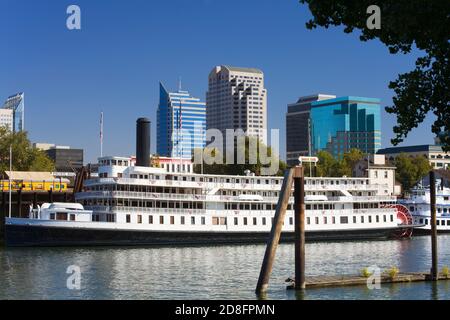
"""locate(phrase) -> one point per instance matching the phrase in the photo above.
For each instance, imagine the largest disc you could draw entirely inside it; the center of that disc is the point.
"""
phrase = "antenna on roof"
(179, 83)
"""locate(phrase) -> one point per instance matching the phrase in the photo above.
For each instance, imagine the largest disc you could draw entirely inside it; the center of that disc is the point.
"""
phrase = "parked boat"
(135, 205)
(418, 204)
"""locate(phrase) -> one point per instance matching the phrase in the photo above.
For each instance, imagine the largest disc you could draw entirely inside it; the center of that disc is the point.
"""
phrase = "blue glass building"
(17, 104)
(181, 124)
(340, 124)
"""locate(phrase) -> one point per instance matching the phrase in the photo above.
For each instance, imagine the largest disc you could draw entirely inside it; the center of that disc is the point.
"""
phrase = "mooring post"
(4, 203)
(299, 207)
(275, 233)
(434, 262)
(50, 196)
(34, 199)
(19, 203)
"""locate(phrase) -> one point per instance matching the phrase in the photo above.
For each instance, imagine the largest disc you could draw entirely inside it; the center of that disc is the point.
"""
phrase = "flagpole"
(101, 134)
(10, 173)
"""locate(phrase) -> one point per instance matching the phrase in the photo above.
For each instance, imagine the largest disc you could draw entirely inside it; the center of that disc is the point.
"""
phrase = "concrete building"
(380, 173)
(16, 103)
(344, 123)
(181, 123)
(298, 131)
(66, 159)
(237, 99)
(43, 146)
(434, 153)
(6, 118)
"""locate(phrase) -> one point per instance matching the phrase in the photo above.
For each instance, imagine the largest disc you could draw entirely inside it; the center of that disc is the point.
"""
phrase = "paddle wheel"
(404, 218)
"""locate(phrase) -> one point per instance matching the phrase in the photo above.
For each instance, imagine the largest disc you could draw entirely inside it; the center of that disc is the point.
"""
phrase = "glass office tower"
(16, 103)
(181, 124)
(341, 124)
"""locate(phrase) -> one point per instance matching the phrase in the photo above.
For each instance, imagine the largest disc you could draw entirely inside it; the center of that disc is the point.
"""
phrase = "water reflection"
(218, 272)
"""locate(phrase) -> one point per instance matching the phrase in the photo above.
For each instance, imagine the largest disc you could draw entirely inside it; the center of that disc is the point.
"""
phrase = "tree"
(410, 170)
(328, 166)
(25, 157)
(236, 168)
(351, 158)
(404, 23)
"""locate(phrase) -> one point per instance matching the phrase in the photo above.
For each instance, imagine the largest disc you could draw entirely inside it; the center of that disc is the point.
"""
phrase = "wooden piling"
(434, 261)
(299, 208)
(50, 196)
(35, 199)
(19, 203)
(3, 208)
(275, 233)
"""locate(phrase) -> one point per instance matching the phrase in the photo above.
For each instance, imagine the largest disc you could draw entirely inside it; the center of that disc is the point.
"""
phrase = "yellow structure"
(32, 181)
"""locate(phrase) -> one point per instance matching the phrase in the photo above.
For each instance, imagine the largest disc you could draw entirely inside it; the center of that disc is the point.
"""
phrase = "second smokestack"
(143, 142)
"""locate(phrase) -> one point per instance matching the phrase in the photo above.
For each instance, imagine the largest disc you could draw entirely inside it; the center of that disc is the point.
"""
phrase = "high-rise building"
(6, 118)
(340, 124)
(181, 123)
(237, 99)
(16, 103)
(66, 159)
(298, 127)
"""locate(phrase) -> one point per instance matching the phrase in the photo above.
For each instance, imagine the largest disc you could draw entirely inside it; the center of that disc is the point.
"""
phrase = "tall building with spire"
(15, 103)
(181, 123)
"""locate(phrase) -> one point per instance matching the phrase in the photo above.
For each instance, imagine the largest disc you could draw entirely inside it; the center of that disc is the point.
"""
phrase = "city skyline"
(117, 74)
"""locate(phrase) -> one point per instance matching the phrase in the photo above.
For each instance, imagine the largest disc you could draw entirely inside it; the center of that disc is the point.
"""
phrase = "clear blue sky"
(125, 48)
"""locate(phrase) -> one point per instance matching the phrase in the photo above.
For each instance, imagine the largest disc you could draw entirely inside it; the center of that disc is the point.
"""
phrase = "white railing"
(219, 198)
(230, 185)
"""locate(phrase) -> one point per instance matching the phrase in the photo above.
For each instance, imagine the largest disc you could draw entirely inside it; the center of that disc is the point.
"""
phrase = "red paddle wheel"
(404, 218)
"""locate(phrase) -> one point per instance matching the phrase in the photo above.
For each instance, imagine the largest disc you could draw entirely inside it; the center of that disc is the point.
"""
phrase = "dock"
(295, 177)
(357, 280)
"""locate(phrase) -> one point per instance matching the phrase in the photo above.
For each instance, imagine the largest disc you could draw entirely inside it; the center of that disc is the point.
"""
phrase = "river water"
(212, 272)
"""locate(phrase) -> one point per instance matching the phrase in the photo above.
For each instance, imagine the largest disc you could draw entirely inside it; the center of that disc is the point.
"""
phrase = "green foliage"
(328, 166)
(25, 157)
(445, 272)
(404, 24)
(393, 272)
(239, 169)
(410, 170)
(365, 272)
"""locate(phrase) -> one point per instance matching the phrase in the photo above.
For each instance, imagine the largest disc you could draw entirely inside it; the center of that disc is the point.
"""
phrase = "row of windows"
(263, 221)
(438, 222)
(439, 210)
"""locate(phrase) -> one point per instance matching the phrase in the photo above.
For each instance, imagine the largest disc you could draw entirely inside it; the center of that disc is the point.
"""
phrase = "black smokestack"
(143, 142)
